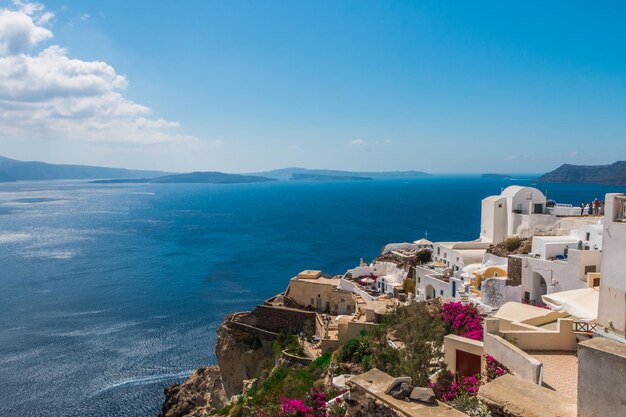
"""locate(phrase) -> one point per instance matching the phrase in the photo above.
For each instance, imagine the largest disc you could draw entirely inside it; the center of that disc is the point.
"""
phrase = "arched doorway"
(342, 306)
(430, 292)
(539, 288)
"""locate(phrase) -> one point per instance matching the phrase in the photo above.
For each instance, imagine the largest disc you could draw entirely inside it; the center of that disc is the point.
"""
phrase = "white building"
(561, 263)
(516, 211)
(612, 303)
(457, 255)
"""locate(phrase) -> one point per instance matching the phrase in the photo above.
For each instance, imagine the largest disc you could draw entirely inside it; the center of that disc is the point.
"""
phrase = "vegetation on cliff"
(409, 342)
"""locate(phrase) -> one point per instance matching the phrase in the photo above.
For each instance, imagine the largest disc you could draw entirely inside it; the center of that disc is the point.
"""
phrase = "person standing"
(596, 207)
(602, 208)
(582, 208)
(590, 209)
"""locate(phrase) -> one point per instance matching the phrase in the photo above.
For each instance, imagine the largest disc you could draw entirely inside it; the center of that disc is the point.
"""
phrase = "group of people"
(593, 208)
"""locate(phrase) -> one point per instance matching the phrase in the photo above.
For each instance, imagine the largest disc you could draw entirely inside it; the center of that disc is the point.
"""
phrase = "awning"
(581, 303)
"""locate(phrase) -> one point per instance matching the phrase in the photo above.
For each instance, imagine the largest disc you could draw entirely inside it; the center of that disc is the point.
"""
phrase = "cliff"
(614, 174)
(240, 355)
(201, 394)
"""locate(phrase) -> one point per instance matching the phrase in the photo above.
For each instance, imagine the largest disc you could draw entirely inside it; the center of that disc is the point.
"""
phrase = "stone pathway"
(560, 371)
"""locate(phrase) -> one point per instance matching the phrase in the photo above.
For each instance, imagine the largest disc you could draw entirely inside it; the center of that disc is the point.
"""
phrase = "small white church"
(517, 210)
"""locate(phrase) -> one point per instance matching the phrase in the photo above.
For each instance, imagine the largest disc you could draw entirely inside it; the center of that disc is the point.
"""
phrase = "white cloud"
(47, 94)
(357, 142)
(19, 33)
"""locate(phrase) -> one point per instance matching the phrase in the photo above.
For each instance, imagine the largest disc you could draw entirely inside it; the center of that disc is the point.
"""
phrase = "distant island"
(14, 170)
(288, 173)
(614, 174)
(191, 178)
(319, 177)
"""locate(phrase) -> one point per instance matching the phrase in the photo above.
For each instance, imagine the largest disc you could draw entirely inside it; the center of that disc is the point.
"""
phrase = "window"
(590, 268)
(418, 279)
(587, 236)
(445, 255)
(495, 274)
(500, 205)
(457, 259)
(438, 251)
(441, 292)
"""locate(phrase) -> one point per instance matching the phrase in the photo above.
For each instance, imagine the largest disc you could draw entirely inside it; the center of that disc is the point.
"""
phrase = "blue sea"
(108, 293)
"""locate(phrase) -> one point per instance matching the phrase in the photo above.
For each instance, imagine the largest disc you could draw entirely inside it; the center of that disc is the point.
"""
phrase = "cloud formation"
(48, 94)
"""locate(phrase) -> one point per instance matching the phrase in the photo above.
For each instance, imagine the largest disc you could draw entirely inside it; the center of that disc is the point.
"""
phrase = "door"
(467, 364)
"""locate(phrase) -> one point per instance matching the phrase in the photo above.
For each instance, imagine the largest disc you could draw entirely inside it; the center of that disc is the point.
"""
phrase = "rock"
(199, 395)
(402, 391)
(423, 395)
(240, 355)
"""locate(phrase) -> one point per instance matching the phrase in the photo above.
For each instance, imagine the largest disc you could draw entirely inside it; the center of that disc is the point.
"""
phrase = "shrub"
(424, 256)
(494, 369)
(408, 286)
(354, 350)
(512, 243)
(420, 329)
(462, 320)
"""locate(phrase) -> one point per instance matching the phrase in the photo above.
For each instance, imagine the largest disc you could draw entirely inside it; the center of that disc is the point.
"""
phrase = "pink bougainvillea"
(449, 387)
(314, 405)
(463, 320)
(494, 368)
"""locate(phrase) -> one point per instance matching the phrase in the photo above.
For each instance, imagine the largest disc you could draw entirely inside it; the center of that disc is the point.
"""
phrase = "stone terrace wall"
(281, 319)
(362, 404)
(514, 272)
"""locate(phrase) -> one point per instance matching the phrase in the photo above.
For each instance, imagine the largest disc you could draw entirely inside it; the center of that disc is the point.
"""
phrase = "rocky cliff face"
(240, 355)
(614, 174)
(199, 395)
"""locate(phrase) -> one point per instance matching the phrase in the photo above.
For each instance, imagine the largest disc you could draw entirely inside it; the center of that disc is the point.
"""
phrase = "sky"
(245, 86)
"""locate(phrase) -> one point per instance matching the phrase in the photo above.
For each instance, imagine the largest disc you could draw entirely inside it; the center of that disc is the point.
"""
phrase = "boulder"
(401, 391)
(423, 395)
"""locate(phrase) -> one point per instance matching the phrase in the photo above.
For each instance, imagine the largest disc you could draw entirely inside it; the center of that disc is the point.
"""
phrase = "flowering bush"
(337, 409)
(448, 388)
(313, 406)
(462, 320)
(494, 368)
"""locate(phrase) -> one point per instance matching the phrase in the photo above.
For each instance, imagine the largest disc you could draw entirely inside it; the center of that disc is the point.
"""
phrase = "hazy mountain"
(614, 174)
(12, 170)
(211, 177)
(287, 173)
(192, 178)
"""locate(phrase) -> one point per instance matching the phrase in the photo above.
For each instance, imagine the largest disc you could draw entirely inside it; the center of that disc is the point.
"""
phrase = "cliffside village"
(550, 287)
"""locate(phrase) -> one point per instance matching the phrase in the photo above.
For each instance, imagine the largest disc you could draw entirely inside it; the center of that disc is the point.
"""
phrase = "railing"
(581, 326)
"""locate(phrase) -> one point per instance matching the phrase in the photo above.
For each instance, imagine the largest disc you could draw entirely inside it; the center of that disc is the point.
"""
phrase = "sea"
(108, 293)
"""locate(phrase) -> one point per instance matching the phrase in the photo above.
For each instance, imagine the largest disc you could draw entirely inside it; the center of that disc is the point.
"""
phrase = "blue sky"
(242, 86)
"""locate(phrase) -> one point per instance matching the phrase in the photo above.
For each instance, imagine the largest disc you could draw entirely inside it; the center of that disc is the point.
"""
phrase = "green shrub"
(354, 350)
(323, 361)
(512, 243)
